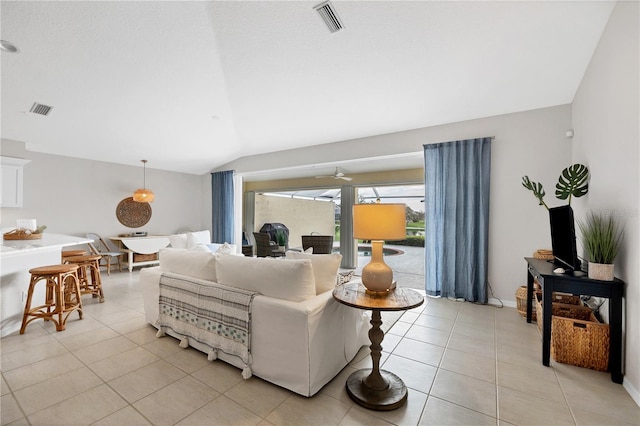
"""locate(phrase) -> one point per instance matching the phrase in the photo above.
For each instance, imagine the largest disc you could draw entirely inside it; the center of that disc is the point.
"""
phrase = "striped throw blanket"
(212, 314)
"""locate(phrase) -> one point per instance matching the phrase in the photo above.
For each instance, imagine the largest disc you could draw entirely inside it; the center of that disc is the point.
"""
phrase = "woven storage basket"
(581, 343)
(572, 311)
(139, 257)
(543, 254)
(521, 302)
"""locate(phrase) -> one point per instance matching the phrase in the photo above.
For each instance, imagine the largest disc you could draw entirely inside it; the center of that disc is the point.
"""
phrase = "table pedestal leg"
(376, 389)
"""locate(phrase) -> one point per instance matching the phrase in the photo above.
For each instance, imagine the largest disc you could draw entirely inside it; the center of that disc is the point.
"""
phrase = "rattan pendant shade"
(144, 195)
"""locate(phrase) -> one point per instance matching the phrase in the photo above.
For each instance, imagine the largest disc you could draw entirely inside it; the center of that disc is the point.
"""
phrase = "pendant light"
(144, 195)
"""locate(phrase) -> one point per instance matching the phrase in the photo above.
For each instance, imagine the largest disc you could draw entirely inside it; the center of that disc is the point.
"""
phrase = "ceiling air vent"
(329, 16)
(37, 108)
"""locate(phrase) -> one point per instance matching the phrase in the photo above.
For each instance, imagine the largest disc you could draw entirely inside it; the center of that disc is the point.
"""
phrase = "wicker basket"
(521, 302)
(584, 343)
(521, 299)
(139, 257)
(566, 310)
(543, 254)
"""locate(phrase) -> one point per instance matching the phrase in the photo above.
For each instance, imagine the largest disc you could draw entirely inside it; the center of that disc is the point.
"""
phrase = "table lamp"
(378, 222)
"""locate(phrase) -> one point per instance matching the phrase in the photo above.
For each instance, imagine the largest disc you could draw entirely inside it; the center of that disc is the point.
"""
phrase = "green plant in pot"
(281, 239)
(601, 239)
(573, 182)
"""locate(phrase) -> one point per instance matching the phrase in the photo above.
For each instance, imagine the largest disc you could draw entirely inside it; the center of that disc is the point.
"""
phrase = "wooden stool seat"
(53, 269)
(67, 253)
(88, 274)
(62, 295)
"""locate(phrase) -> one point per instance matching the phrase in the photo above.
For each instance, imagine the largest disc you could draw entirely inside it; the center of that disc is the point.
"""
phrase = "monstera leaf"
(573, 181)
(536, 188)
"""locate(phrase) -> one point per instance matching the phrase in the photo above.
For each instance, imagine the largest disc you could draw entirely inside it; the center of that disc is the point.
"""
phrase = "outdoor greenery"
(412, 241)
(414, 216)
(415, 224)
(601, 238)
(281, 238)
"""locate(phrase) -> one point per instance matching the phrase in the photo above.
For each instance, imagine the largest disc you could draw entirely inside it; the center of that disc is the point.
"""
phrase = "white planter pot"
(601, 271)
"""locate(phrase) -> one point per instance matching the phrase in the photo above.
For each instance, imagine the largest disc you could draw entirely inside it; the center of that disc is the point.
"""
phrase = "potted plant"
(601, 239)
(573, 182)
(281, 239)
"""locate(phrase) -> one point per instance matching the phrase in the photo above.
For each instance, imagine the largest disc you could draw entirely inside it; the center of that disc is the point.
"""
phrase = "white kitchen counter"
(16, 258)
(9, 248)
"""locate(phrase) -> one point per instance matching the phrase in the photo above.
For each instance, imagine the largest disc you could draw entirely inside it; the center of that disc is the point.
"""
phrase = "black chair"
(265, 247)
(322, 244)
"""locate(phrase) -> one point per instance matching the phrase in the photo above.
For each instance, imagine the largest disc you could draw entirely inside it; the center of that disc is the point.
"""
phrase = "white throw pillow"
(200, 237)
(178, 241)
(226, 248)
(325, 268)
(283, 279)
(200, 247)
(197, 264)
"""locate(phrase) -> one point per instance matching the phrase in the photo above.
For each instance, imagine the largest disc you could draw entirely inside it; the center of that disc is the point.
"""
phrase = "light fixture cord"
(144, 174)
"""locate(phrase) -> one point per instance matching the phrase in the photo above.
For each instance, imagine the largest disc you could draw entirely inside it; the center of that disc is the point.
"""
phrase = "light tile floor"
(463, 364)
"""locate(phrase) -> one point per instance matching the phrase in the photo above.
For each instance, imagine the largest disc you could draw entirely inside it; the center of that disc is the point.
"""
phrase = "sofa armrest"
(320, 329)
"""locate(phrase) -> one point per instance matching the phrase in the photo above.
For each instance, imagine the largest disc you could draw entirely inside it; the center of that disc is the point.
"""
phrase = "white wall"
(527, 143)
(606, 115)
(74, 196)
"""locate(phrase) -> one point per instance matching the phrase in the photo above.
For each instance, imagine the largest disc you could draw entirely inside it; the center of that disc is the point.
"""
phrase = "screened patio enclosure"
(324, 211)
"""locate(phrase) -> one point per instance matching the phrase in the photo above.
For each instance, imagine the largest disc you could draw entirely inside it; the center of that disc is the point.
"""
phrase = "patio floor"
(408, 268)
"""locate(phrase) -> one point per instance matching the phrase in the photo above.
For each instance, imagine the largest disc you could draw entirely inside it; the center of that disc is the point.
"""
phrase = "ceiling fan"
(337, 175)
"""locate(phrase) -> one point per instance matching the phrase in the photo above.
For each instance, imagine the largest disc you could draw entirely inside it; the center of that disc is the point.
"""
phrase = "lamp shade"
(379, 221)
(143, 195)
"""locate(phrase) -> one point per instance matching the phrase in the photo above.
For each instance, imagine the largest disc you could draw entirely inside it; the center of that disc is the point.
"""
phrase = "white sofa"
(300, 336)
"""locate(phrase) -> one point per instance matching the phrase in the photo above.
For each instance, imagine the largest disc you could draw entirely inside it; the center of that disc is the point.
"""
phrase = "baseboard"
(633, 392)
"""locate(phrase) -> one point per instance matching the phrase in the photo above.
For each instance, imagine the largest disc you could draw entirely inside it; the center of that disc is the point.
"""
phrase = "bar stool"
(88, 274)
(70, 253)
(62, 295)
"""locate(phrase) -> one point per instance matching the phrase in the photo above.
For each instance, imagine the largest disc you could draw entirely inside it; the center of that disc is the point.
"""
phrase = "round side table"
(374, 388)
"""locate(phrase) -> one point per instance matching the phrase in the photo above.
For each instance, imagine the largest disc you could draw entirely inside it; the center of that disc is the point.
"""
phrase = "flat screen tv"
(563, 238)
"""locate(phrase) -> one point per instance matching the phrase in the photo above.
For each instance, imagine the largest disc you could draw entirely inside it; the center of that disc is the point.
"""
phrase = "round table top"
(399, 299)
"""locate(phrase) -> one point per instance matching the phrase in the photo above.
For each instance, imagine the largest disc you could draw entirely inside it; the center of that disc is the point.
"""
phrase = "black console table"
(577, 283)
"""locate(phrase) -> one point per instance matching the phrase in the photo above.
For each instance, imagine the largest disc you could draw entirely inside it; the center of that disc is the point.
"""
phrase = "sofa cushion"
(178, 241)
(325, 268)
(197, 264)
(200, 237)
(283, 279)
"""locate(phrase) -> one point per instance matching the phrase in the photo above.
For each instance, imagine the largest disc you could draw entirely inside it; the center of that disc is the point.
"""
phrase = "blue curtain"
(457, 179)
(222, 201)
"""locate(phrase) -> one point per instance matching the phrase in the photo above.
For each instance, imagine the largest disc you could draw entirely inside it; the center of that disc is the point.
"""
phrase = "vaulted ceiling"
(192, 85)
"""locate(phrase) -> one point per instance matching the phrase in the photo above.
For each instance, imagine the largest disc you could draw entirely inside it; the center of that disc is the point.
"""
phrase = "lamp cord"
(494, 296)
